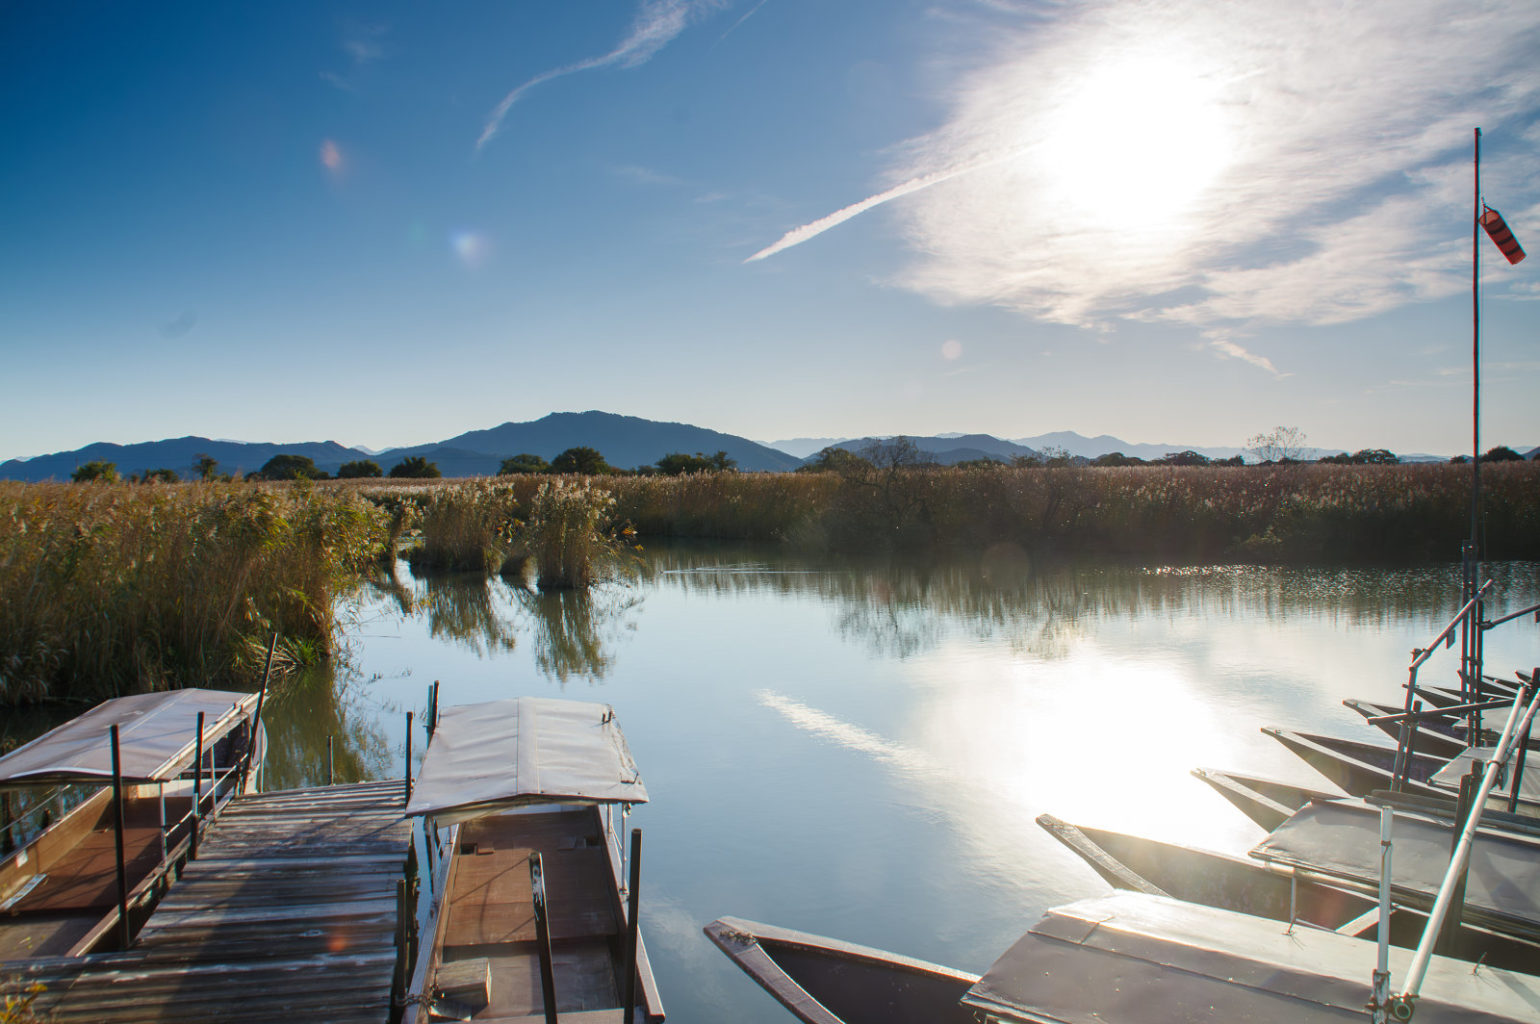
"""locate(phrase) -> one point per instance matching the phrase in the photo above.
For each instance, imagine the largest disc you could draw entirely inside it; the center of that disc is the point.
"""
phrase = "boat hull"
(826, 981)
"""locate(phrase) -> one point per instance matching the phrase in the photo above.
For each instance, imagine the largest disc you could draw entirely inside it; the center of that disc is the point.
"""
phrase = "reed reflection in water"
(859, 747)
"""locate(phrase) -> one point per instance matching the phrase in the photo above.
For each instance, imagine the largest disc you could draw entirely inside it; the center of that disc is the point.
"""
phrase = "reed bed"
(116, 588)
(112, 588)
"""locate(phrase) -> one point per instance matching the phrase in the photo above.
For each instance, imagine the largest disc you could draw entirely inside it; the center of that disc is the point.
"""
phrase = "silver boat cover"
(1529, 786)
(489, 757)
(1130, 958)
(1341, 838)
(157, 738)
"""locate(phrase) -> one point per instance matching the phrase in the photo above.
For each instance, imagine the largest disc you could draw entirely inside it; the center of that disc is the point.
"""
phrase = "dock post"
(256, 719)
(543, 937)
(330, 775)
(633, 927)
(197, 804)
(408, 758)
(1518, 763)
(117, 806)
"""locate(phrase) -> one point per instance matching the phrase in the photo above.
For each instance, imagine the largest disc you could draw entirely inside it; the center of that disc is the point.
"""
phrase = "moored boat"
(1267, 802)
(87, 879)
(530, 902)
(1130, 958)
(826, 981)
(1292, 894)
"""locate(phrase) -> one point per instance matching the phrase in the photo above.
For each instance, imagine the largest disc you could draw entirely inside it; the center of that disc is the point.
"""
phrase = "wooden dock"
(288, 914)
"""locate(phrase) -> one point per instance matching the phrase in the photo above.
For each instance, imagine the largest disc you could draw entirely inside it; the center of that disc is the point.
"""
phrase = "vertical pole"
(1379, 1005)
(161, 792)
(1518, 765)
(408, 798)
(433, 710)
(256, 719)
(117, 806)
(633, 930)
(330, 776)
(543, 937)
(1475, 349)
(197, 806)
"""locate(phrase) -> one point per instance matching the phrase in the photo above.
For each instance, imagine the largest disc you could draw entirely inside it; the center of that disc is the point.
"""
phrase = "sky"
(388, 223)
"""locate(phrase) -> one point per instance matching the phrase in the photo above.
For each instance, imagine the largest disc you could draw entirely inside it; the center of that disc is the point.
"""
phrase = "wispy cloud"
(1219, 166)
(657, 23)
(364, 45)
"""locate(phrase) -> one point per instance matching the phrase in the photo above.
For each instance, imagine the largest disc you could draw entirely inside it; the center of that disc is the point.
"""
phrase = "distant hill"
(625, 441)
(948, 449)
(1103, 444)
(802, 447)
(179, 454)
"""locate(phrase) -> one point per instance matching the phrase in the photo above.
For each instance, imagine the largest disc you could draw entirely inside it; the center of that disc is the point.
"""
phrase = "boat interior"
(489, 959)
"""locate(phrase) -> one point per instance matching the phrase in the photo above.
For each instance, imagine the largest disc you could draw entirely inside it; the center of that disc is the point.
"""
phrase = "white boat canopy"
(485, 758)
(157, 738)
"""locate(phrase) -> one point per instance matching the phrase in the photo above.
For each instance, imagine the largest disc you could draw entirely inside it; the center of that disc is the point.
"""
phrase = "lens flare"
(331, 157)
(472, 248)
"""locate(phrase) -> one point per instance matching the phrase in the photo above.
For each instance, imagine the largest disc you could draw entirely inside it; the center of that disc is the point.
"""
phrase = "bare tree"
(1281, 444)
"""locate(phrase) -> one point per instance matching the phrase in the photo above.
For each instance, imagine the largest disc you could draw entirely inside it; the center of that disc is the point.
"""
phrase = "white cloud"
(1222, 166)
(657, 23)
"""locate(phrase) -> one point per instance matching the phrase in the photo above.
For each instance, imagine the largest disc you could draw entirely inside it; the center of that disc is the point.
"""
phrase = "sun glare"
(1134, 145)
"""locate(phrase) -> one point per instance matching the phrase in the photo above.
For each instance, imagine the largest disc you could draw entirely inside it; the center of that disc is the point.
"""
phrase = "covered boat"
(1131, 958)
(1341, 840)
(1262, 888)
(530, 901)
(68, 885)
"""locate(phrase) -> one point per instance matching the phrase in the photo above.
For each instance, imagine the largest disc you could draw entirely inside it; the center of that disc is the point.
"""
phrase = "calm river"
(858, 749)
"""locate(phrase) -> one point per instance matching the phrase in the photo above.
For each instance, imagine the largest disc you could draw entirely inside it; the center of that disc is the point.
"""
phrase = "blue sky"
(389, 223)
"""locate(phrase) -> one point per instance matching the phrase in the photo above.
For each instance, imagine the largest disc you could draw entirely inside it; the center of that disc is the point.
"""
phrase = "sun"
(1136, 142)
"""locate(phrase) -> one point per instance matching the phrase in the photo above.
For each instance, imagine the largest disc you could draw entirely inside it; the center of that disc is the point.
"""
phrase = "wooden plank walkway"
(289, 913)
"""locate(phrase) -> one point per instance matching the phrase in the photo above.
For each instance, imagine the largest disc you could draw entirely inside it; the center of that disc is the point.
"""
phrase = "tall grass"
(112, 588)
(471, 525)
(1293, 513)
(568, 533)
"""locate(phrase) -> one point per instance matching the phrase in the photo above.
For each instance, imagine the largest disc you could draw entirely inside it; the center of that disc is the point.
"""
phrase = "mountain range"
(625, 441)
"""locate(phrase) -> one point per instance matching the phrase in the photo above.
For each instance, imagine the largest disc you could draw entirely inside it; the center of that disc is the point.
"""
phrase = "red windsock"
(1498, 229)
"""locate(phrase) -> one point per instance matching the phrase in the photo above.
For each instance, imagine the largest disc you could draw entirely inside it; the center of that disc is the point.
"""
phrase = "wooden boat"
(1340, 840)
(60, 893)
(1279, 892)
(1128, 958)
(1131, 958)
(1358, 767)
(826, 981)
(529, 894)
(1214, 879)
(1265, 801)
(1363, 768)
(1435, 737)
(1443, 736)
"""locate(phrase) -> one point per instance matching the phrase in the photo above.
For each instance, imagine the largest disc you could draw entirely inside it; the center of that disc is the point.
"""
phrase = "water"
(859, 749)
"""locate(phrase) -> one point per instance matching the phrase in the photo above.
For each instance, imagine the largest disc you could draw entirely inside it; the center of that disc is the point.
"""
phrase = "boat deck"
(69, 891)
(289, 913)
(491, 912)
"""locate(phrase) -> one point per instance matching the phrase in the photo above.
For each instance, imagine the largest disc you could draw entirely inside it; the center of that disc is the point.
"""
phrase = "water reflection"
(324, 703)
(574, 631)
(903, 608)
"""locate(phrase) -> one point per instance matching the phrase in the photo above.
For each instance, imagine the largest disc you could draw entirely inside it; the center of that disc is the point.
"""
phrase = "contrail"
(796, 236)
(657, 24)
